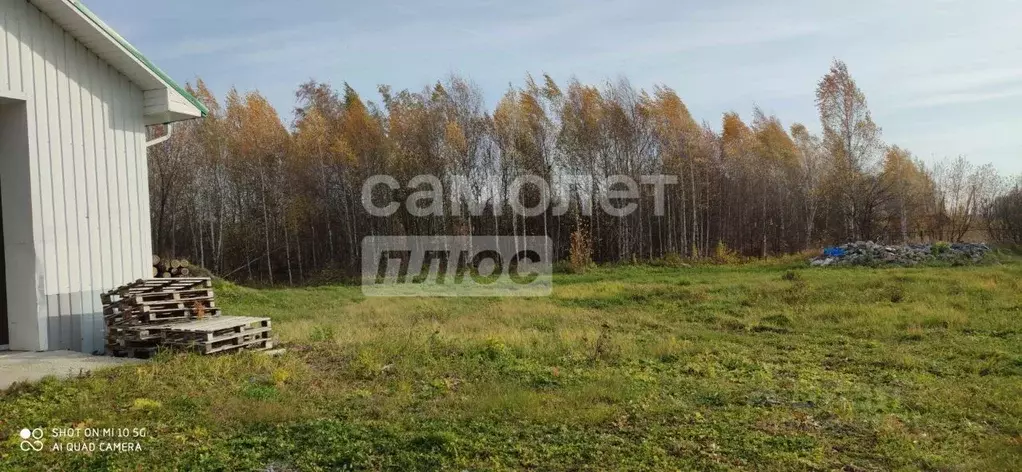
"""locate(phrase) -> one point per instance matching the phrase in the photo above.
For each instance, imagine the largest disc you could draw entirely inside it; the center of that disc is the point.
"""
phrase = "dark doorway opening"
(18, 291)
(5, 335)
(13, 156)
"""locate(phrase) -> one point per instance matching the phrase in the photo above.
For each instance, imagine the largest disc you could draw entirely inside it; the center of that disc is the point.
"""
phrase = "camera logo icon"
(31, 439)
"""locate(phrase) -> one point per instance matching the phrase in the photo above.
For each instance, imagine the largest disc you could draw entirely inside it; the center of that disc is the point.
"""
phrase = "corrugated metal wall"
(89, 178)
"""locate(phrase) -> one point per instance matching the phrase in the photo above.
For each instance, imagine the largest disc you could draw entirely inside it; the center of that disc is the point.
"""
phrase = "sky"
(942, 78)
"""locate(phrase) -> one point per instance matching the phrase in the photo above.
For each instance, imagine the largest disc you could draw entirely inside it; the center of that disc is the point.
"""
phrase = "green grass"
(766, 366)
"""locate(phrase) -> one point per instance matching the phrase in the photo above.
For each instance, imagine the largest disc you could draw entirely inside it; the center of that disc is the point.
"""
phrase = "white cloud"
(968, 79)
(962, 98)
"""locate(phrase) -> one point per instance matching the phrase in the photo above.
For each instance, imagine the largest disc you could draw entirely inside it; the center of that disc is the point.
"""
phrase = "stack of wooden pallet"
(143, 316)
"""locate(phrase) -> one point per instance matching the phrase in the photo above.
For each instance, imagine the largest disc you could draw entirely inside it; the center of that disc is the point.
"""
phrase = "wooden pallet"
(134, 352)
(259, 344)
(208, 329)
(169, 297)
(122, 344)
(162, 306)
(122, 348)
(147, 318)
(184, 315)
(143, 286)
(125, 308)
(219, 334)
(179, 295)
(158, 316)
(133, 333)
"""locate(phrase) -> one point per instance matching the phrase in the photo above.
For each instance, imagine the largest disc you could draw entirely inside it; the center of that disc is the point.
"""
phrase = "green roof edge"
(138, 55)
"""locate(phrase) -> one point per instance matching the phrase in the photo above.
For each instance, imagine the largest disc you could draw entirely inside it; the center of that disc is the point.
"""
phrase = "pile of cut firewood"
(179, 313)
(165, 269)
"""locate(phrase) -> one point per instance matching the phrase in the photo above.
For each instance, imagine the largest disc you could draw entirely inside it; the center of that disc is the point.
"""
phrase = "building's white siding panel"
(90, 206)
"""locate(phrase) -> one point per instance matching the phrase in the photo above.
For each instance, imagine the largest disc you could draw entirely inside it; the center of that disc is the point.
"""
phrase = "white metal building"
(75, 99)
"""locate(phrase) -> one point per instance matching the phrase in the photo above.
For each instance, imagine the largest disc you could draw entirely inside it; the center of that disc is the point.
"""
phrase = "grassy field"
(767, 366)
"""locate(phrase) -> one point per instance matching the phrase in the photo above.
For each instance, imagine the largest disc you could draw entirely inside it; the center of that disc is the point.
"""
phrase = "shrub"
(725, 255)
(673, 259)
(1005, 217)
(896, 294)
(562, 267)
(322, 333)
(791, 276)
(580, 256)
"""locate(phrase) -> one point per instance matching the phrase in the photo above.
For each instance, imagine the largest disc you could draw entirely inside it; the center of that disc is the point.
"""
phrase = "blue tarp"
(833, 252)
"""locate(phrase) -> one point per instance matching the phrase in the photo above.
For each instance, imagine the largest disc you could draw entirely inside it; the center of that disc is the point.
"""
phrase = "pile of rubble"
(872, 254)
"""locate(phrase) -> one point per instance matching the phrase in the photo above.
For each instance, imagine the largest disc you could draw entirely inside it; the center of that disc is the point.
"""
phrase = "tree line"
(252, 198)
